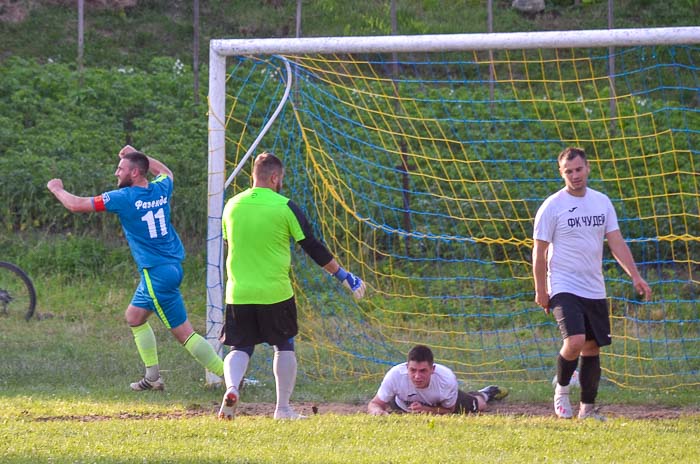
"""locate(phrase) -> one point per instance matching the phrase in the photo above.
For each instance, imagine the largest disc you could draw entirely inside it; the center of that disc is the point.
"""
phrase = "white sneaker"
(574, 382)
(145, 384)
(228, 404)
(589, 411)
(288, 414)
(562, 405)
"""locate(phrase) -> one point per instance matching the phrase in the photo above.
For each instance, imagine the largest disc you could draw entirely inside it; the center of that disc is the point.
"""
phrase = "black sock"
(565, 369)
(589, 376)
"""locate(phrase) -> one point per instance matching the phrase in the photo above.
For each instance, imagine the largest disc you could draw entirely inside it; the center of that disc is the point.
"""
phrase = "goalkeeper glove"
(351, 281)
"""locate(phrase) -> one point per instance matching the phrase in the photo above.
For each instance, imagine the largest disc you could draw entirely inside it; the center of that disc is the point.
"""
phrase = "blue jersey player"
(143, 208)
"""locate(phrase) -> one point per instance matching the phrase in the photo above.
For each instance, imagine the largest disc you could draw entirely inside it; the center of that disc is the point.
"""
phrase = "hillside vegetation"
(138, 87)
(122, 35)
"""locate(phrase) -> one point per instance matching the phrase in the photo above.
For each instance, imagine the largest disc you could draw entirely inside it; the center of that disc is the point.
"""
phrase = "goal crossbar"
(459, 42)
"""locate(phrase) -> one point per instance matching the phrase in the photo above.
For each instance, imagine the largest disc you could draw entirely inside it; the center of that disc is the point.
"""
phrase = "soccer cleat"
(145, 384)
(574, 382)
(589, 411)
(494, 392)
(288, 414)
(228, 405)
(562, 405)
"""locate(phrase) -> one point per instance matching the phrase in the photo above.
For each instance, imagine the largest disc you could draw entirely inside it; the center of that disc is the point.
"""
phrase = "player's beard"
(128, 182)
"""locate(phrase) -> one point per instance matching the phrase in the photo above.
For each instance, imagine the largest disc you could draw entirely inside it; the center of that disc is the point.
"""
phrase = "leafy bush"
(54, 126)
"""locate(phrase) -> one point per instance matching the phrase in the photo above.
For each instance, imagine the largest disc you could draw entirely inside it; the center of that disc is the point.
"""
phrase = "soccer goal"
(421, 161)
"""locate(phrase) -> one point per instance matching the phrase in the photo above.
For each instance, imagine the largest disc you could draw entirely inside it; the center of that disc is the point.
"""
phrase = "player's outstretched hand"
(54, 184)
(355, 284)
(351, 282)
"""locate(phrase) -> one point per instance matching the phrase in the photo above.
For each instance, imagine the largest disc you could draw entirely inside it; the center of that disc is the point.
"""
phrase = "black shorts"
(467, 402)
(576, 315)
(252, 324)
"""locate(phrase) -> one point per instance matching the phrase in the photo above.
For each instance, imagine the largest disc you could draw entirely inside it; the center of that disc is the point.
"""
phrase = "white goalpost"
(220, 50)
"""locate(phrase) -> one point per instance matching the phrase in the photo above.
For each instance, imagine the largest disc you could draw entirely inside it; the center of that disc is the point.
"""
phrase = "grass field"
(334, 438)
(64, 398)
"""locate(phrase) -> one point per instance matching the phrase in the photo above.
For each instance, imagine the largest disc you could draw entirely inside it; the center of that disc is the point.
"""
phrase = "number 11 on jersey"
(150, 219)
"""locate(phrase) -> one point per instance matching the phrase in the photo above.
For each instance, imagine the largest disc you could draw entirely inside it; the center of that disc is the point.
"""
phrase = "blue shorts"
(159, 291)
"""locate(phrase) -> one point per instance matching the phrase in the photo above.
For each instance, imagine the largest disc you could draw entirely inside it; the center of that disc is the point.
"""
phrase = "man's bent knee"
(572, 346)
(136, 316)
(182, 332)
(590, 348)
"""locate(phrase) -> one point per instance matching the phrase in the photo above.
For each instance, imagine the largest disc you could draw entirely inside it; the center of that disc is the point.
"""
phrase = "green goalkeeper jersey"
(258, 226)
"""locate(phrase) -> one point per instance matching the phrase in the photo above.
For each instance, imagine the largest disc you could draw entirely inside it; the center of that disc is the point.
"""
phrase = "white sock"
(152, 373)
(284, 366)
(585, 408)
(235, 366)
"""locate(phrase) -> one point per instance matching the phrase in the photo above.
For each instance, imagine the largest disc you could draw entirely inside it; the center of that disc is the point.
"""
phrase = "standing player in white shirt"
(570, 228)
(421, 386)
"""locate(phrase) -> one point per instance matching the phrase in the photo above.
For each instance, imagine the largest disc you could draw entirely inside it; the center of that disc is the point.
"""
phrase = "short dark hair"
(267, 164)
(421, 353)
(571, 153)
(138, 161)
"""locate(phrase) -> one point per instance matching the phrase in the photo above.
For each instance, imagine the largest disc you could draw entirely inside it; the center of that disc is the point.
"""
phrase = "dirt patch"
(310, 409)
(503, 408)
(608, 410)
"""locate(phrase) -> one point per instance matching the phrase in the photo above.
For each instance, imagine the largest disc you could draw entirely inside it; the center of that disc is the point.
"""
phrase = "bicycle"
(17, 293)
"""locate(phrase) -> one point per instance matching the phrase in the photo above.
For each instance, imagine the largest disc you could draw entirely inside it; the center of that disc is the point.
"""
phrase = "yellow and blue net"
(423, 172)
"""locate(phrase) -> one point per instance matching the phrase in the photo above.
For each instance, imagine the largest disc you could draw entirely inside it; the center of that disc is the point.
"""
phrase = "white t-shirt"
(442, 390)
(575, 228)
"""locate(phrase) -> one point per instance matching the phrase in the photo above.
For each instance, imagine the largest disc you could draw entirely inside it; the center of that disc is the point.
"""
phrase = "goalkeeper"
(257, 225)
(421, 386)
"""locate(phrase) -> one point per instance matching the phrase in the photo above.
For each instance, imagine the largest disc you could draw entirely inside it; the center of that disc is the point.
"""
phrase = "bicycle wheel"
(17, 294)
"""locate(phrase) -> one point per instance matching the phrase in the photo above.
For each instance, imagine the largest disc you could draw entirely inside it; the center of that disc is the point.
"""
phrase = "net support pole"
(266, 127)
(216, 179)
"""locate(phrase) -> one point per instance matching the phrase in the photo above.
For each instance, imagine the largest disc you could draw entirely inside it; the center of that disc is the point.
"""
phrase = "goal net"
(422, 164)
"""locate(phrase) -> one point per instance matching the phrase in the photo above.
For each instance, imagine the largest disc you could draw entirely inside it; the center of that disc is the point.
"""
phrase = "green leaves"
(52, 126)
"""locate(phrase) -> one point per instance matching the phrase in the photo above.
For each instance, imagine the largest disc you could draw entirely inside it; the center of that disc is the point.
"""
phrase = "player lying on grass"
(421, 386)
(143, 209)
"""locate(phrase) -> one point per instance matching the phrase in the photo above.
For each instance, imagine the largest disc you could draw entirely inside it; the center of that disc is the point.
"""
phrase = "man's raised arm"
(155, 167)
(71, 202)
